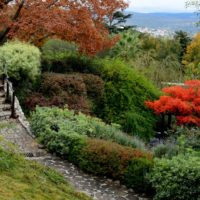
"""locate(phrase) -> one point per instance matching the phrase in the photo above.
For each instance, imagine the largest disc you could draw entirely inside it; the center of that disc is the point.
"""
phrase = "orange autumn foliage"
(79, 21)
(183, 102)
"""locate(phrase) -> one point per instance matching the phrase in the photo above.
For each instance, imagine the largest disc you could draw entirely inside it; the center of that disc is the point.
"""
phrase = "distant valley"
(167, 22)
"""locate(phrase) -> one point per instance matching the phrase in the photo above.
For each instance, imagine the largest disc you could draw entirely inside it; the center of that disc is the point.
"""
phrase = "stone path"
(12, 131)
(97, 188)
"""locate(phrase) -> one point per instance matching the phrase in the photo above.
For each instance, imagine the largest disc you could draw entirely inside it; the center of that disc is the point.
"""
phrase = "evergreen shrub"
(124, 95)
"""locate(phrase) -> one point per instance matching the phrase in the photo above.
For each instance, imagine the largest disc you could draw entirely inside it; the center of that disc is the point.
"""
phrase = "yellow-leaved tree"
(191, 60)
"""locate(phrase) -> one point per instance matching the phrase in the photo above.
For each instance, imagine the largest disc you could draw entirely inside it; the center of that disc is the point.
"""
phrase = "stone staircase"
(14, 131)
(5, 108)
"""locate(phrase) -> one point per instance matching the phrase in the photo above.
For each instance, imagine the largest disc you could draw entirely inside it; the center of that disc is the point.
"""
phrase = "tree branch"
(14, 18)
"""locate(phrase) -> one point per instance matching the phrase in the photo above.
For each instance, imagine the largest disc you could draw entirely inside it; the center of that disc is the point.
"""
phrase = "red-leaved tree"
(182, 102)
(79, 21)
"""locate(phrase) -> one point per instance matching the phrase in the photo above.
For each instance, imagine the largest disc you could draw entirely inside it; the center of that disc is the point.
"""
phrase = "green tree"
(184, 39)
(128, 47)
(191, 59)
(116, 22)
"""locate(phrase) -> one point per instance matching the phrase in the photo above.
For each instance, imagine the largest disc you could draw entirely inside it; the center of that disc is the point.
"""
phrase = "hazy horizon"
(154, 6)
(168, 12)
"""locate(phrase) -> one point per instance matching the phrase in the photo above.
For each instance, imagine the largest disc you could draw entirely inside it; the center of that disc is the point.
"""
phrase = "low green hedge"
(66, 121)
(96, 156)
(176, 179)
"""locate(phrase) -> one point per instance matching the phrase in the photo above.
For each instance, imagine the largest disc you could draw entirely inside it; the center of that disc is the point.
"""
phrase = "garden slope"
(21, 179)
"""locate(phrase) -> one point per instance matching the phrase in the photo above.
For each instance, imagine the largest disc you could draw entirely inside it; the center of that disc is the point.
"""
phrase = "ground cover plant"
(67, 121)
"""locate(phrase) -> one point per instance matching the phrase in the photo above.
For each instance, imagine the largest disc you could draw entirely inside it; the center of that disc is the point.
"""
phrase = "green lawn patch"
(21, 179)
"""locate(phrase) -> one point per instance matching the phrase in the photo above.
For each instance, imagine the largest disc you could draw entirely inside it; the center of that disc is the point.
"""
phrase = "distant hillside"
(167, 21)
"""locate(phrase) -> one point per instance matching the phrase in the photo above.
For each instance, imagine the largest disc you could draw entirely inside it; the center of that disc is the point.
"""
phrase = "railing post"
(13, 112)
(3, 79)
(7, 91)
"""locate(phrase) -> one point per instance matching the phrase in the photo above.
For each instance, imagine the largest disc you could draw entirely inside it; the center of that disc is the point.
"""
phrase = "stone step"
(2, 94)
(5, 107)
(2, 100)
(1, 87)
(5, 115)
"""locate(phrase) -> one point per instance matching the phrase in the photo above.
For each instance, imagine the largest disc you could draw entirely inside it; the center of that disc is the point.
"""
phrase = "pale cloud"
(158, 6)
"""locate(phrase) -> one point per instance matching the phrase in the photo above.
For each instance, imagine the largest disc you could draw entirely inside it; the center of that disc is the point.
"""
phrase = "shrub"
(124, 96)
(115, 161)
(60, 56)
(167, 150)
(135, 174)
(176, 179)
(67, 121)
(54, 84)
(94, 86)
(80, 92)
(55, 52)
(191, 137)
(108, 158)
(75, 90)
(67, 135)
(22, 61)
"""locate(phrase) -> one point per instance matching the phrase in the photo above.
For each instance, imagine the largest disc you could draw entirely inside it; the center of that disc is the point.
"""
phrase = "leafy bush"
(180, 141)
(55, 52)
(54, 84)
(60, 56)
(79, 91)
(20, 60)
(136, 172)
(94, 86)
(124, 96)
(66, 121)
(115, 161)
(67, 135)
(191, 137)
(176, 179)
(167, 150)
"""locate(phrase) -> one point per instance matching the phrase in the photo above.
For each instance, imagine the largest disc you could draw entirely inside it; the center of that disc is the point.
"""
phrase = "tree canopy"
(78, 21)
(191, 59)
(183, 102)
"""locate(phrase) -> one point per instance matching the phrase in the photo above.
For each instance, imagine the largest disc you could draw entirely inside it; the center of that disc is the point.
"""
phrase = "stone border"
(19, 112)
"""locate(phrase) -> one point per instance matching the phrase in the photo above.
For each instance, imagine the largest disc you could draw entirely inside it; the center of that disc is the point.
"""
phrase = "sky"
(158, 6)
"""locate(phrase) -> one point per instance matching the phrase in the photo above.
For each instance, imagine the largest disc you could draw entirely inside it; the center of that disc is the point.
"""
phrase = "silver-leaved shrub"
(20, 60)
